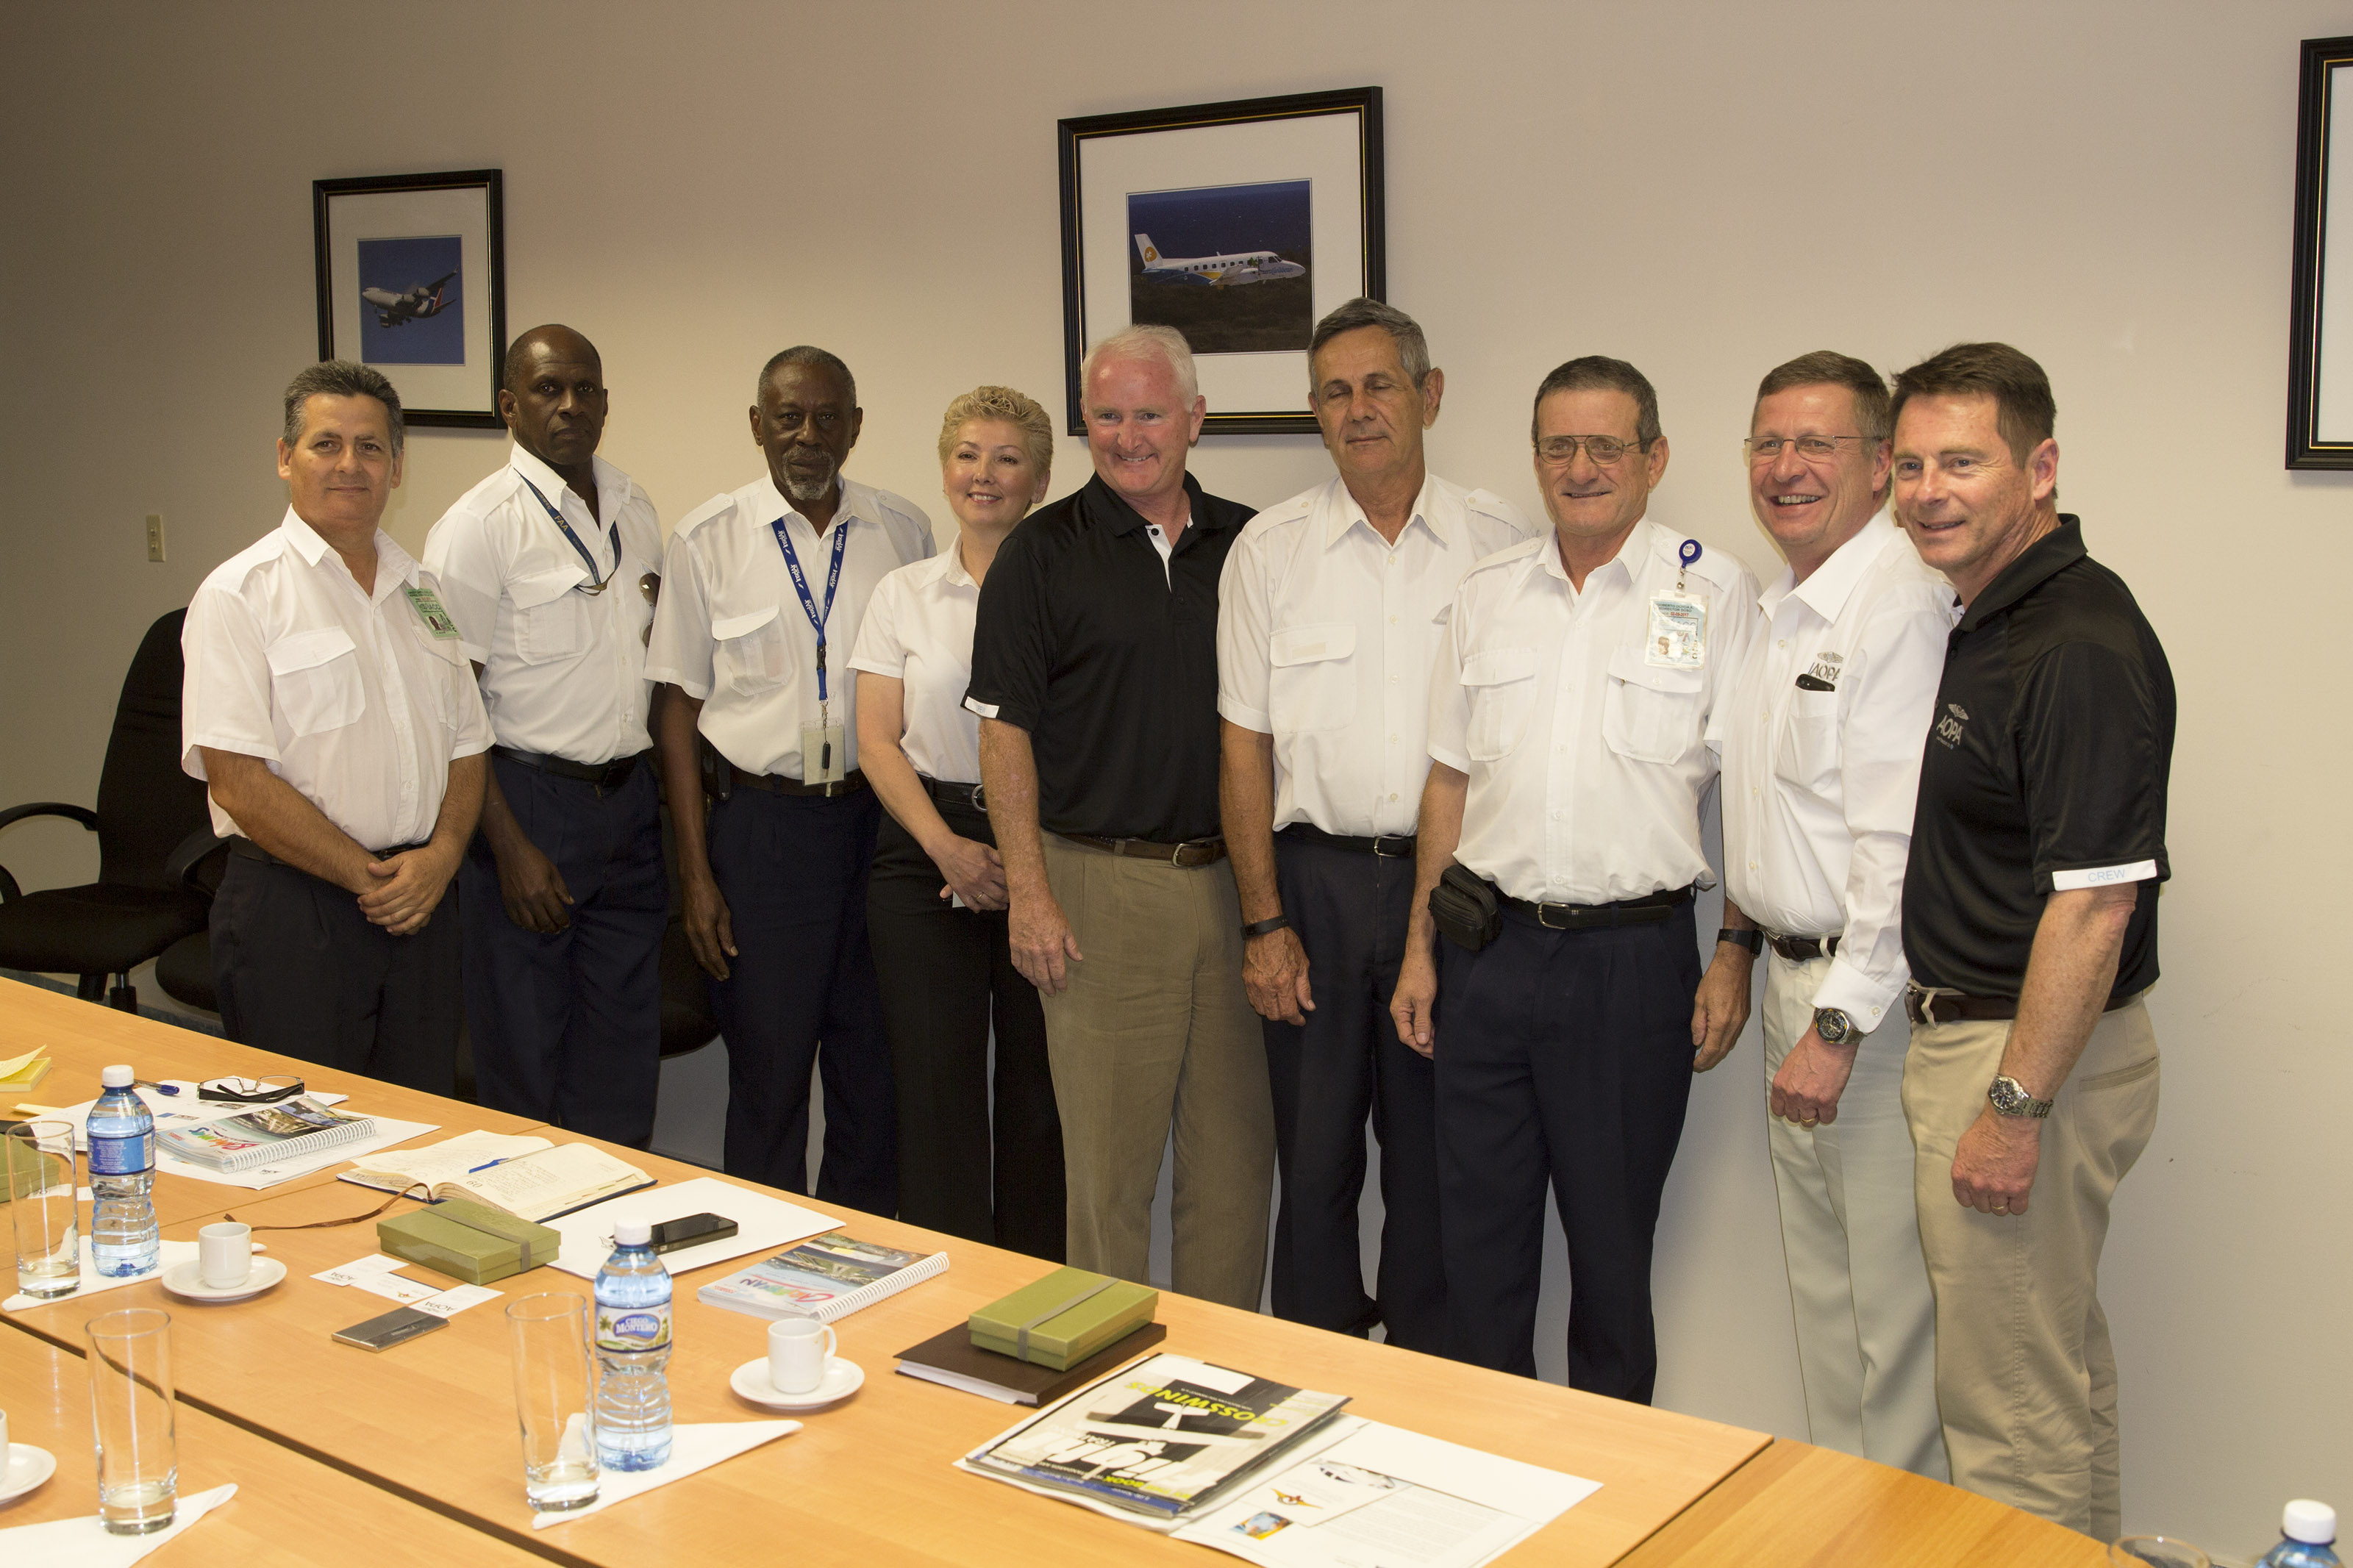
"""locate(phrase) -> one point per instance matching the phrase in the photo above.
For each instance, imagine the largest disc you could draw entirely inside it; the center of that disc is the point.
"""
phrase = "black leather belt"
(1387, 846)
(1934, 1008)
(1193, 852)
(963, 796)
(246, 849)
(1645, 911)
(776, 783)
(609, 775)
(1802, 949)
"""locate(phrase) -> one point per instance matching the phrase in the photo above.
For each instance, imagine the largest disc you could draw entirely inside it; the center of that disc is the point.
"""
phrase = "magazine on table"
(829, 1276)
(288, 1130)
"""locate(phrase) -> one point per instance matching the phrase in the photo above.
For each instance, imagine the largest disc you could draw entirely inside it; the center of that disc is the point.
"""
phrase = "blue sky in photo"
(1211, 220)
(396, 265)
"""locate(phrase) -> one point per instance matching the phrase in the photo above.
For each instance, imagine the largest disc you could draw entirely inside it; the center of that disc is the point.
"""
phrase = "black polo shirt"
(2045, 770)
(1110, 663)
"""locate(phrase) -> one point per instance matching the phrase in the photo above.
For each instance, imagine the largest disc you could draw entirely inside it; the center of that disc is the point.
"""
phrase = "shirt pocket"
(315, 681)
(1806, 754)
(551, 621)
(750, 651)
(1502, 685)
(1650, 715)
(1312, 684)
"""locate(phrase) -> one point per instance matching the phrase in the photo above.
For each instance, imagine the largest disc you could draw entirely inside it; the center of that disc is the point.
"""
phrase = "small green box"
(1069, 1336)
(467, 1241)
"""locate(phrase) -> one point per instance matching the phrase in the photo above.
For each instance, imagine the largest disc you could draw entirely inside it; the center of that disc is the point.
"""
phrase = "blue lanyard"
(596, 584)
(800, 586)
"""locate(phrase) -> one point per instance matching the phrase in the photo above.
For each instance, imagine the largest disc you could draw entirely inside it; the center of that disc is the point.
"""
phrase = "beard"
(808, 488)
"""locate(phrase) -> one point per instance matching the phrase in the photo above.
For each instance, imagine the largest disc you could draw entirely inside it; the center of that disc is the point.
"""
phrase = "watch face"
(1834, 1025)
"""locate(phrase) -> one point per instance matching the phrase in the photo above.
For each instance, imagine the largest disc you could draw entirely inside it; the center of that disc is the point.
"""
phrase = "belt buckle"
(1177, 856)
(979, 797)
(1382, 854)
(1546, 921)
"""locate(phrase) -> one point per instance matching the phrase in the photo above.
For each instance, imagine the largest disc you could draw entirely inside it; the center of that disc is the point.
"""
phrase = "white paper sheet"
(85, 1544)
(693, 1445)
(374, 1275)
(92, 1282)
(761, 1224)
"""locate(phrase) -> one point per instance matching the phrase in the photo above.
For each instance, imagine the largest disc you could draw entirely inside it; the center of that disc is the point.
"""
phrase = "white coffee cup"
(3, 1440)
(797, 1348)
(225, 1254)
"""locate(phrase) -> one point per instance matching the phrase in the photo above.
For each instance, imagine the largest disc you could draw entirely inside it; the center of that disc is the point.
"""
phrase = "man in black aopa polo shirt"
(2030, 922)
(1094, 671)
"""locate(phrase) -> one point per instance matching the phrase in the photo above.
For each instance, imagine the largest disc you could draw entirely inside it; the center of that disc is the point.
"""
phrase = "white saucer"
(187, 1281)
(27, 1467)
(842, 1379)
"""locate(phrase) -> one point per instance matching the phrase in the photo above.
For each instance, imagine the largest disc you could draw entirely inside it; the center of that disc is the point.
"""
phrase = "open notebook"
(527, 1177)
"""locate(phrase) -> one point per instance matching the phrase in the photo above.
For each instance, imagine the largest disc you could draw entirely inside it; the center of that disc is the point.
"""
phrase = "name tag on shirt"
(1678, 635)
(427, 605)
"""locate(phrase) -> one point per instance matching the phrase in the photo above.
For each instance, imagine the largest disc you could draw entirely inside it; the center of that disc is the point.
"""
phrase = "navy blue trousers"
(1562, 1057)
(1350, 910)
(566, 1028)
(793, 869)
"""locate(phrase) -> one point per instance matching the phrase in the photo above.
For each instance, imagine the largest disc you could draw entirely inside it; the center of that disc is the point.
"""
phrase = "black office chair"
(149, 812)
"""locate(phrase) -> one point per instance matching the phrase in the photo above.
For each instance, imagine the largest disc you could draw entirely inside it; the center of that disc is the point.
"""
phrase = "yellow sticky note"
(16, 1064)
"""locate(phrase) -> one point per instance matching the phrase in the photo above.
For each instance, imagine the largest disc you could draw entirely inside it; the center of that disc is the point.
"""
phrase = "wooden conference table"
(431, 1424)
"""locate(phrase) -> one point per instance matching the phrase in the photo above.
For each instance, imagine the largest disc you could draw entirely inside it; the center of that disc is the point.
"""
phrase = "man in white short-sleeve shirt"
(1567, 1010)
(1330, 606)
(332, 713)
(1821, 741)
(762, 592)
(548, 567)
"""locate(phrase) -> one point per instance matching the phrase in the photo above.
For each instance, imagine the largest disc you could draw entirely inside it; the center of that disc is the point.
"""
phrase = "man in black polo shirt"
(2029, 924)
(1094, 671)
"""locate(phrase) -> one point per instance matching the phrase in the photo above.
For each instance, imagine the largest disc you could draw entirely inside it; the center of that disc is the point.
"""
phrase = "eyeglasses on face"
(1604, 450)
(1813, 449)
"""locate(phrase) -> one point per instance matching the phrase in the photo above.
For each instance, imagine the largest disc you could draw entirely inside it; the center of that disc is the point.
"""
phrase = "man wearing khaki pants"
(2030, 922)
(1094, 671)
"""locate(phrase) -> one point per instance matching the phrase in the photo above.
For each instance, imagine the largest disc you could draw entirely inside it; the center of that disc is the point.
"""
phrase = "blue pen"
(500, 1161)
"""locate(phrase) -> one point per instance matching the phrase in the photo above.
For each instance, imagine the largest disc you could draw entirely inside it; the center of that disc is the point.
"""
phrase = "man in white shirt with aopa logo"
(1820, 745)
(1331, 605)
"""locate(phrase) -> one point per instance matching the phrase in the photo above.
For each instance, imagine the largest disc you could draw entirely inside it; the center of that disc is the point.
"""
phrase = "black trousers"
(1350, 910)
(566, 1028)
(299, 971)
(1561, 1056)
(792, 871)
(947, 974)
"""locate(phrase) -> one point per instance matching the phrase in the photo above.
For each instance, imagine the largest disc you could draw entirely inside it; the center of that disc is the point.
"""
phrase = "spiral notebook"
(289, 1130)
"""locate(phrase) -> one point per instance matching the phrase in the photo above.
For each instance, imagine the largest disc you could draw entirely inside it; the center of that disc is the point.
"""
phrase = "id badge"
(1678, 635)
(427, 605)
(823, 751)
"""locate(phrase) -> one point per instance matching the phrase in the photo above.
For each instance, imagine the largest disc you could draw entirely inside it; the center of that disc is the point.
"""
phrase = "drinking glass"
(2156, 1552)
(552, 1400)
(132, 1419)
(43, 1216)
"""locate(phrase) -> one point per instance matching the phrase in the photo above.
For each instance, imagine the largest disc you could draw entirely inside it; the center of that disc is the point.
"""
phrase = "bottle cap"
(116, 1077)
(632, 1233)
(2314, 1523)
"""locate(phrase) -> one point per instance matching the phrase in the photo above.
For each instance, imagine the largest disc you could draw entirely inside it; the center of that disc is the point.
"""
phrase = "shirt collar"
(953, 574)
(1629, 559)
(1106, 508)
(1345, 512)
(1835, 581)
(608, 480)
(856, 502)
(308, 543)
(2036, 564)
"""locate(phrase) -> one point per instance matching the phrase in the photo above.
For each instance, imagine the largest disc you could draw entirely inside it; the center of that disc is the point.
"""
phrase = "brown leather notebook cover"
(1030, 1385)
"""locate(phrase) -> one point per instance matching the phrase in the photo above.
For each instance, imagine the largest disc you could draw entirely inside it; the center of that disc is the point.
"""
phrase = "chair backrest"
(146, 805)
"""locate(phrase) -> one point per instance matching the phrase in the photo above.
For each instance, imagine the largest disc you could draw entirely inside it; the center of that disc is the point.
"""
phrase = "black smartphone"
(692, 1231)
(397, 1327)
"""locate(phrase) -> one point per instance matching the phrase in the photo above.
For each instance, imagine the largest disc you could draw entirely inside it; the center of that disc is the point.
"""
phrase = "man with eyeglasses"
(762, 594)
(1565, 1011)
(1820, 742)
(547, 568)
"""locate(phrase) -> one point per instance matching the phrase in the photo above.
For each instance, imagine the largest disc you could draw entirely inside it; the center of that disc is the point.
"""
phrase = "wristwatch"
(1265, 926)
(1752, 939)
(2008, 1098)
(1834, 1025)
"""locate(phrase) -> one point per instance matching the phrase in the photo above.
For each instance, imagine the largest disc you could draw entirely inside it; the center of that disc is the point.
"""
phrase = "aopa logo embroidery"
(1827, 668)
(1949, 728)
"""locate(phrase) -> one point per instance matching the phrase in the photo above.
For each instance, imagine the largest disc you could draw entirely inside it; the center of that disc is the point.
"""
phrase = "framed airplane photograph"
(412, 280)
(2320, 334)
(1241, 225)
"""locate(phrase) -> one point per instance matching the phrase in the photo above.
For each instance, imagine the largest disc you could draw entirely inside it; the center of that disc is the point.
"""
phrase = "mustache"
(811, 485)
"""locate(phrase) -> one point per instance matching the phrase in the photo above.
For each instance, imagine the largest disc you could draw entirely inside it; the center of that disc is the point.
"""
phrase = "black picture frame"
(455, 395)
(1327, 282)
(2313, 368)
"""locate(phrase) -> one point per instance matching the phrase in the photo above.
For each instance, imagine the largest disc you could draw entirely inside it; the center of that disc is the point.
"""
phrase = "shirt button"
(1392, 795)
(1393, 620)
(1752, 864)
(1393, 680)
(1783, 643)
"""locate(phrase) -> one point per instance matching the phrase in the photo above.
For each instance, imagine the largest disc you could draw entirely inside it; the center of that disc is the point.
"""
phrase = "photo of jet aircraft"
(1216, 271)
(419, 303)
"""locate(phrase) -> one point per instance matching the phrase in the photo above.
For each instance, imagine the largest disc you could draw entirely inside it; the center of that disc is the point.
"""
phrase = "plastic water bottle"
(2308, 1531)
(632, 1349)
(124, 1236)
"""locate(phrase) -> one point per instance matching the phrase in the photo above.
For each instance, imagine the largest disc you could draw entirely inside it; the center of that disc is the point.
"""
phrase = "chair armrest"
(80, 814)
(9, 889)
(190, 853)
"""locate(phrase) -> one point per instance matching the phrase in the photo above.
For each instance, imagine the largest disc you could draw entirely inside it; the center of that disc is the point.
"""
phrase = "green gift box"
(1064, 1319)
(467, 1241)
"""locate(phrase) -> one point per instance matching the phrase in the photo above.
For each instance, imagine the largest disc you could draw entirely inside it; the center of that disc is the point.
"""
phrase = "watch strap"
(2011, 1097)
(1262, 928)
(1752, 939)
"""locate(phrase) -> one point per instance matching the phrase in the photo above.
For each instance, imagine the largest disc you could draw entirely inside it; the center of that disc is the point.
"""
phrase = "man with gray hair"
(330, 707)
(1094, 672)
(1333, 601)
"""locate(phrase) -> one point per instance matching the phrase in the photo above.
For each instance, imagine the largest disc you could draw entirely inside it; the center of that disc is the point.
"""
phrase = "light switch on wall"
(154, 536)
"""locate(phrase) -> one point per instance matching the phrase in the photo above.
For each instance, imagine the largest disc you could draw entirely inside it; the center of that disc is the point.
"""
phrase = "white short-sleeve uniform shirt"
(564, 670)
(918, 631)
(1585, 762)
(730, 632)
(349, 697)
(1326, 633)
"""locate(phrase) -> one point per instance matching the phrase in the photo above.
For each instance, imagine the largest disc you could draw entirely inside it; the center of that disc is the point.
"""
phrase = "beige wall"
(1705, 189)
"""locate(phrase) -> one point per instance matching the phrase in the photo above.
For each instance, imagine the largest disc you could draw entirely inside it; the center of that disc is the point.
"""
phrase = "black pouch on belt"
(718, 774)
(1466, 910)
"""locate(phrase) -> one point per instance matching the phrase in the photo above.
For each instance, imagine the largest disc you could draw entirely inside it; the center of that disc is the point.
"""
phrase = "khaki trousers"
(1155, 1030)
(2025, 1375)
(1866, 1318)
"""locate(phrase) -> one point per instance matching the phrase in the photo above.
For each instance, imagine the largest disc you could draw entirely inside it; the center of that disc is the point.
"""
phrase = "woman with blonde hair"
(936, 900)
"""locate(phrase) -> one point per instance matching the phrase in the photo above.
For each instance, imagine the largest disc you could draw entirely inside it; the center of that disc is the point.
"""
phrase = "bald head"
(556, 339)
(553, 398)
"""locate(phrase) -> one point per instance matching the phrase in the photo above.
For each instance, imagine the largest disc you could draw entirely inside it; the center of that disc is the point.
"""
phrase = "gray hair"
(1413, 349)
(341, 378)
(1166, 344)
(1600, 373)
(805, 353)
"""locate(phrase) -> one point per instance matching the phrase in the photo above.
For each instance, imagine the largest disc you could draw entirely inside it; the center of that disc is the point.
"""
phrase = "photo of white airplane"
(419, 303)
(1216, 271)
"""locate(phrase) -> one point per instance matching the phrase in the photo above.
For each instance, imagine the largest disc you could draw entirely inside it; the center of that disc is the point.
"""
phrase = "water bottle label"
(121, 1156)
(632, 1328)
